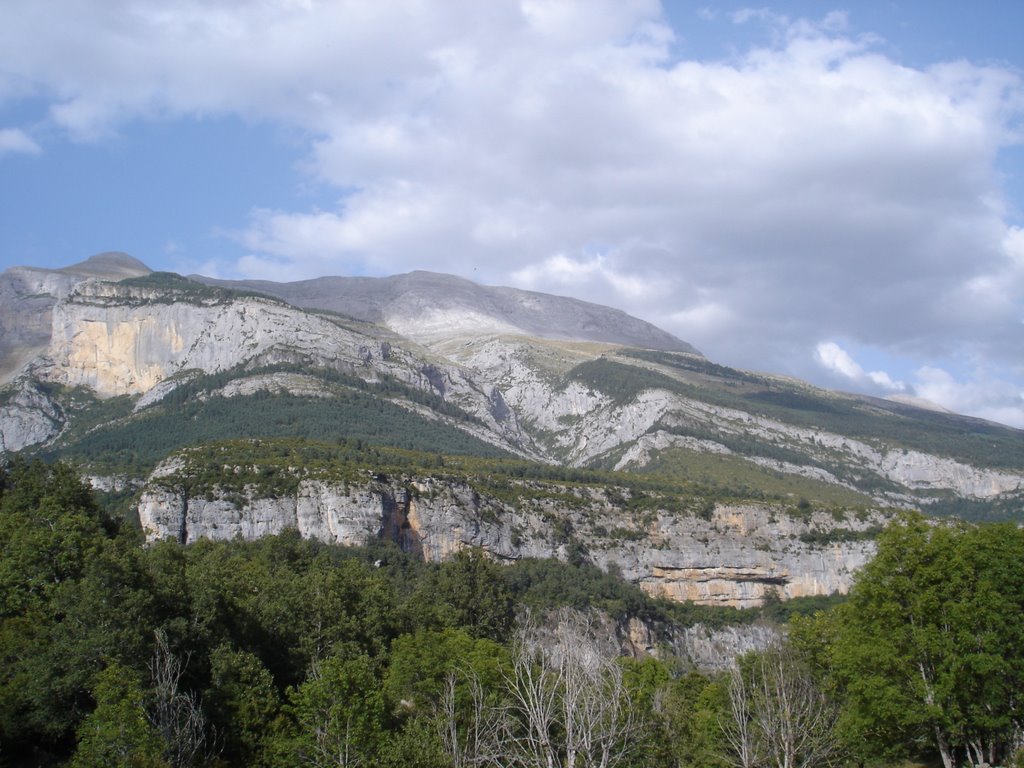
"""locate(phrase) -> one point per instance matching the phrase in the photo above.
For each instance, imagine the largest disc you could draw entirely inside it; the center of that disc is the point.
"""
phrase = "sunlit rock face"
(27, 298)
(119, 341)
(738, 556)
(115, 339)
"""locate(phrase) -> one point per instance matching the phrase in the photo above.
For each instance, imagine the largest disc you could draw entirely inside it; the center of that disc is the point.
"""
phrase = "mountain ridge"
(426, 306)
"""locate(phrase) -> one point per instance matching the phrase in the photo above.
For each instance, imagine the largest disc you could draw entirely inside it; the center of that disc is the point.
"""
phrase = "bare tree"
(565, 703)
(740, 731)
(780, 717)
(176, 715)
(471, 738)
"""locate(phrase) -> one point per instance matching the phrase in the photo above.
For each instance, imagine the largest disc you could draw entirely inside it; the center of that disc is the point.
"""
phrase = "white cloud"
(813, 188)
(13, 140)
(837, 360)
(983, 395)
(560, 272)
(883, 380)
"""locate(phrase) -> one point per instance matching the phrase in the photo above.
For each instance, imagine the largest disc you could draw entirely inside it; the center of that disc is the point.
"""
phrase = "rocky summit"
(696, 481)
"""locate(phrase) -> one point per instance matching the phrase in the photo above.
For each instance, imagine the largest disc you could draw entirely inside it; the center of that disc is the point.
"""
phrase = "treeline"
(227, 653)
(286, 652)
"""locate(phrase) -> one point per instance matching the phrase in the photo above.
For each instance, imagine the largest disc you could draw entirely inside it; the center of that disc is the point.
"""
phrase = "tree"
(246, 703)
(175, 713)
(780, 717)
(689, 712)
(339, 716)
(564, 703)
(72, 599)
(117, 734)
(470, 592)
(469, 729)
(421, 664)
(744, 746)
(930, 645)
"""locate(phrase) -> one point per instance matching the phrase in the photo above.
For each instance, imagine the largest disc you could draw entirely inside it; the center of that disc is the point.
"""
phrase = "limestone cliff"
(119, 339)
(734, 555)
(27, 298)
(28, 417)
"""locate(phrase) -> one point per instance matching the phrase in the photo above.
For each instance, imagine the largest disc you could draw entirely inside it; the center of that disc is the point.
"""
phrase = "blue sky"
(829, 191)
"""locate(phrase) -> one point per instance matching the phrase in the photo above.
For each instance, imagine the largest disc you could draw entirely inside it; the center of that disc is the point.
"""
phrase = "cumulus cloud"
(14, 141)
(837, 360)
(809, 188)
(982, 395)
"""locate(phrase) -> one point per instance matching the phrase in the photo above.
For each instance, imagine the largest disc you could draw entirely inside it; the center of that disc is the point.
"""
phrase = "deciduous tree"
(930, 645)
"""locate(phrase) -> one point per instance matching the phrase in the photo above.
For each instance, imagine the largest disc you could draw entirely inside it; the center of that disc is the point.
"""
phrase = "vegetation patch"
(174, 288)
(135, 445)
(733, 477)
(618, 381)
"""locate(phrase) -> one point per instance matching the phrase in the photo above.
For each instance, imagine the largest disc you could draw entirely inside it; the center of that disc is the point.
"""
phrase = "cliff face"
(27, 298)
(29, 417)
(737, 556)
(117, 340)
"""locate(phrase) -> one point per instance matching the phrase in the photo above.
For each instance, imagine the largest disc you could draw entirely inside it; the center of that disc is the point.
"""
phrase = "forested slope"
(283, 651)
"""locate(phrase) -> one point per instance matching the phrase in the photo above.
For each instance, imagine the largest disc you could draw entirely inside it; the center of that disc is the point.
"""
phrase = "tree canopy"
(929, 648)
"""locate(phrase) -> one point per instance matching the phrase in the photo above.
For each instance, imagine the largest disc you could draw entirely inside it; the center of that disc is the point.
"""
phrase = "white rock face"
(28, 418)
(716, 649)
(317, 511)
(920, 470)
(580, 425)
(129, 344)
(118, 340)
(743, 554)
(608, 427)
(738, 556)
(295, 384)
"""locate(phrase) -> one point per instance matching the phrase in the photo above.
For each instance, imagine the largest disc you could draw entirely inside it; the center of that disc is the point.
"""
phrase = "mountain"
(531, 425)
(427, 306)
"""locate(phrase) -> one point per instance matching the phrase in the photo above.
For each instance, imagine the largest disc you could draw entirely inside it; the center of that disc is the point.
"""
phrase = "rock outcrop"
(28, 417)
(737, 555)
(27, 298)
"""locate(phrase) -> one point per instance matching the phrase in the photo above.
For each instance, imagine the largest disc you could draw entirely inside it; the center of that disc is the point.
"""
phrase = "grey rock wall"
(738, 557)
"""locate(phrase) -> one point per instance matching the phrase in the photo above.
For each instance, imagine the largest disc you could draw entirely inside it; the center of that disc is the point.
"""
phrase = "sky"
(823, 190)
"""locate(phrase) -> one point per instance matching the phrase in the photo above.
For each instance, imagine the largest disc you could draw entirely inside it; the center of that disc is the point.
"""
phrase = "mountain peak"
(109, 265)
